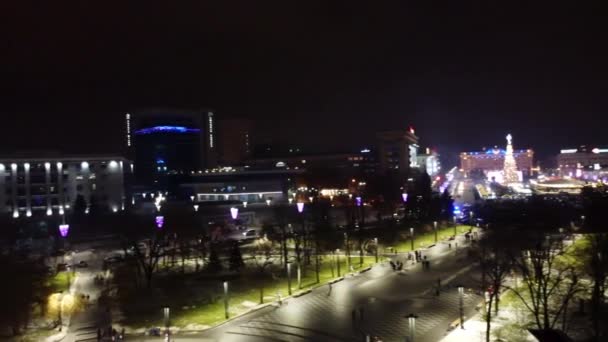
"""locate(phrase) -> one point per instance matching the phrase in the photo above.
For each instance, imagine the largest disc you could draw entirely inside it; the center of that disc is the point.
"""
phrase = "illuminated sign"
(570, 150)
(167, 129)
(210, 130)
(128, 119)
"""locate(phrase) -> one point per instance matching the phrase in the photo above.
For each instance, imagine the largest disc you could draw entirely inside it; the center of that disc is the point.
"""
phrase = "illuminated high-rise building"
(162, 141)
(397, 150)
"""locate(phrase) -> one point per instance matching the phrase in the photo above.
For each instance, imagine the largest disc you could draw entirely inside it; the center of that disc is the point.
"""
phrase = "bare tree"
(147, 252)
(548, 284)
(597, 269)
(497, 266)
(263, 260)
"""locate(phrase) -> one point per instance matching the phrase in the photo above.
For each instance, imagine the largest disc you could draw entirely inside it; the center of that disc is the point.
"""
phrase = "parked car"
(82, 263)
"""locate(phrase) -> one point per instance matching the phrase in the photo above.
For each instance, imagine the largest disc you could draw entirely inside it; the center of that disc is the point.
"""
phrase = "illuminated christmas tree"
(510, 167)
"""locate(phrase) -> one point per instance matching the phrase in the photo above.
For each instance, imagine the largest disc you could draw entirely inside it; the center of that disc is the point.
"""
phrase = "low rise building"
(49, 186)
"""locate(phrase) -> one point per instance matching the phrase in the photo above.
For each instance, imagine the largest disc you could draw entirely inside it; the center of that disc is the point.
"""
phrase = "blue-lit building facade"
(163, 141)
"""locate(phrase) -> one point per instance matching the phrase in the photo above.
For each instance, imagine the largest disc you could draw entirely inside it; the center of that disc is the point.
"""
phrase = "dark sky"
(324, 75)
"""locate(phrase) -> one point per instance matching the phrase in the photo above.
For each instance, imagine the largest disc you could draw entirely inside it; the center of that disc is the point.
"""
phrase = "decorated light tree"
(510, 167)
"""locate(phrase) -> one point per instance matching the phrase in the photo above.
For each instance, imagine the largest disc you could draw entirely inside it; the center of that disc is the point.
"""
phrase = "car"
(113, 259)
(82, 263)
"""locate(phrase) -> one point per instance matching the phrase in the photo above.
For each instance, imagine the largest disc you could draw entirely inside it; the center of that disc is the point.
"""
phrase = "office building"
(49, 186)
(235, 141)
(429, 162)
(397, 151)
(160, 141)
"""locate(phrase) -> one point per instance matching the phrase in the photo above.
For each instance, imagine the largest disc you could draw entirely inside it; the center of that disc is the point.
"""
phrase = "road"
(83, 325)
(386, 297)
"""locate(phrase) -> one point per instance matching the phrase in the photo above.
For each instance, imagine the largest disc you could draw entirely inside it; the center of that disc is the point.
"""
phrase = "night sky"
(321, 75)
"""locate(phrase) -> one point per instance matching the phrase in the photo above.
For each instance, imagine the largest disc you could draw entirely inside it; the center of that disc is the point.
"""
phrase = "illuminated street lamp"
(226, 300)
(244, 204)
(160, 221)
(195, 207)
(461, 300)
(234, 212)
(435, 229)
(411, 318)
(64, 230)
(404, 197)
(268, 202)
(192, 198)
(290, 200)
(300, 206)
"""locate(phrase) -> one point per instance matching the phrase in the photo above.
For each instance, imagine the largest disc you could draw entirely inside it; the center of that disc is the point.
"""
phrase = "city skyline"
(339, 74)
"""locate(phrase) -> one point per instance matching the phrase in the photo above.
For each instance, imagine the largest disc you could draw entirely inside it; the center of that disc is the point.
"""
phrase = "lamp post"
(471, 218)
(166, 312)
(346, 251)
(411, 318)
(377, 247)
(289, 278)
(461, 302)
(299, 277)
(412, 237)
(338, 261)
(226, 300)
(435, 229)
(455, 232)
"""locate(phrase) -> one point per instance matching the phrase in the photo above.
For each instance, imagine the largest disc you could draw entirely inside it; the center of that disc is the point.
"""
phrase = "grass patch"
(197, 300)
(427, 238)
(60, 282)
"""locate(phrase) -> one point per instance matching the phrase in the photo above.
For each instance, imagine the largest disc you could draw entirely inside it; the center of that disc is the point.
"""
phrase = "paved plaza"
(384, 297)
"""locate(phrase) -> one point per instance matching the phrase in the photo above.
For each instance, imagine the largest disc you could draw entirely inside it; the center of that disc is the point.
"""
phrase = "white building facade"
(50, 186)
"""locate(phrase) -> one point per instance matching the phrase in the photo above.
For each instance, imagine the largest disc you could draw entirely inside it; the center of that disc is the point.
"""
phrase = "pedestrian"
(449, 246)
(329, 291)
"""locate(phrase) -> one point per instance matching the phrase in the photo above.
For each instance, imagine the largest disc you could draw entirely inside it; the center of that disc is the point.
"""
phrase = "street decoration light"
(64, 230)
(300, 206)
(290, 200)
(404, 197)
(234, 212)
(192, 198)
(268, 202)
(160, 221)
(244, 204)
(195, 207)
(358, 201)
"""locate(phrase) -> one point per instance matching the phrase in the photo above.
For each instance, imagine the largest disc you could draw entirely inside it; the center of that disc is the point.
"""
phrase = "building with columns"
(50, 185)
